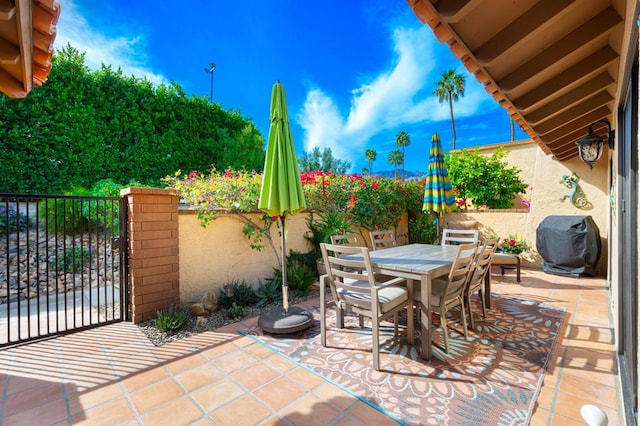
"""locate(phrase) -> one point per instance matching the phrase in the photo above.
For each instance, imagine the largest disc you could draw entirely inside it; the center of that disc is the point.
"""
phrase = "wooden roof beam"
(579, 123)
(525, 25)
(590, 104)
(595, 28)
(596, 84)
(453, 11)
(591, 64)
(7, 10)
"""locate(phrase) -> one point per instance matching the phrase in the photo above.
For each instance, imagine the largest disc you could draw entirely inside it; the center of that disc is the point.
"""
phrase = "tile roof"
(27, 32)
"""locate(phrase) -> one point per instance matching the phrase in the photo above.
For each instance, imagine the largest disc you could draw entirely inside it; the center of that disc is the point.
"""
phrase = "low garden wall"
(213, 256)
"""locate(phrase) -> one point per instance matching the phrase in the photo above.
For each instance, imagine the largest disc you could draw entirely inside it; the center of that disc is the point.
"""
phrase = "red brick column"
(152, 226)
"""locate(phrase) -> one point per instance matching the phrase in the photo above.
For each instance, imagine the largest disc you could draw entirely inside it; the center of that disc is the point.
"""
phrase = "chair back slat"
(350, 239)
(460, 270)
(382, 239)
(459, 236)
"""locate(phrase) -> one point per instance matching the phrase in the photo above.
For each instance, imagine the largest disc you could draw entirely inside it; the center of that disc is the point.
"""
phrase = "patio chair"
(447, 292)
(382, 239)
(476, 280)
(346, 239)
(356, 288)
(459, 236)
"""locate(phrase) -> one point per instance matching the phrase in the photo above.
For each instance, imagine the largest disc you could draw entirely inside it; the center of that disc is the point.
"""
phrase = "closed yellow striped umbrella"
(438, 191)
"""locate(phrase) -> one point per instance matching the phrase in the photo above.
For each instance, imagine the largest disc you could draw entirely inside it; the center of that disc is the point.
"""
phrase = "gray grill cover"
(569, 245)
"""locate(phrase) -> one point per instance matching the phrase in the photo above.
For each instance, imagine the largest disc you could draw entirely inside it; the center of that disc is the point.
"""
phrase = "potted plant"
(513, 245)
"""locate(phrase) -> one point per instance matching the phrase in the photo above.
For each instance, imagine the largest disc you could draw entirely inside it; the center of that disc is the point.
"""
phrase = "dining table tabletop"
(419, 264)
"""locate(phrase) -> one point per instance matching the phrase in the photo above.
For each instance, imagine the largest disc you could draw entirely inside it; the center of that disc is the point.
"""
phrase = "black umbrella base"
(275, 321)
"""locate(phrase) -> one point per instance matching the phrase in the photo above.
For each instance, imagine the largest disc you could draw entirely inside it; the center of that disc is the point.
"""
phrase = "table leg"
(425, 319)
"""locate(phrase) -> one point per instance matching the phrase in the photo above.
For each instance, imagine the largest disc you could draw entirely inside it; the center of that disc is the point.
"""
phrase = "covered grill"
(569, 245)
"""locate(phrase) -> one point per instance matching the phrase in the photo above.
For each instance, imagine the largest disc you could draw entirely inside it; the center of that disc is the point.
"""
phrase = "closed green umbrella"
(438, 191)
(281, 194)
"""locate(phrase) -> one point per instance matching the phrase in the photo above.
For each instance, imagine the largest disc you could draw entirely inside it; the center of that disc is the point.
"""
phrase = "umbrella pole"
(285, 287)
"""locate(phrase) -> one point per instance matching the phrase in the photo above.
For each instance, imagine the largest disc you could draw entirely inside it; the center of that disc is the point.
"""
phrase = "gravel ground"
(216, 320)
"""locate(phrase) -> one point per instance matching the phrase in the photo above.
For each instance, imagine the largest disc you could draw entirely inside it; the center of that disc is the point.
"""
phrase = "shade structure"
(438, 191)
(281, 194)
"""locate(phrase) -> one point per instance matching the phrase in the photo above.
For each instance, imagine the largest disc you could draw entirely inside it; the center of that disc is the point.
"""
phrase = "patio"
(114, 375)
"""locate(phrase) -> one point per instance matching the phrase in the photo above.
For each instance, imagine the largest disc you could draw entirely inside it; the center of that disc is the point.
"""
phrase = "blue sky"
(355, 73)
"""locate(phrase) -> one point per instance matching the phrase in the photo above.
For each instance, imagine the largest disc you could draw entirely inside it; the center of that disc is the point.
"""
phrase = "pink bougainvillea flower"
(193, 174)
(374, 185)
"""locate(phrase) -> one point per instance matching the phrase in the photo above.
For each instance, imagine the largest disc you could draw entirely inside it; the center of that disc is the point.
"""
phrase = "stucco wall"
(544, 175)
(220, 253)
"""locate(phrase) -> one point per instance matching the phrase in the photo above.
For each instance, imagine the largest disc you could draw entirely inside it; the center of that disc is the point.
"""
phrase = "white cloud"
(400, 95)
(126, 52)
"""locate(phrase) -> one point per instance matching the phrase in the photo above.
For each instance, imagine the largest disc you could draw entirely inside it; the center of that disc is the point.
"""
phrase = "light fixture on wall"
(590, 146)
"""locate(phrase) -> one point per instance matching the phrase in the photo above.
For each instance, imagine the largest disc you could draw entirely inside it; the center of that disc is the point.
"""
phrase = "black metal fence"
(62, 264)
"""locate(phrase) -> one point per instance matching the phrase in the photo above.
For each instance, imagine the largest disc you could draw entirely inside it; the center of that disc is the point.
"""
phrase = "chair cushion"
(504, 259)
(390, 297)
(437, 288)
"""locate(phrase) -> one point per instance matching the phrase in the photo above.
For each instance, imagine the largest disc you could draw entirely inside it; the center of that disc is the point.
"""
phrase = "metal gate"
(62, 265)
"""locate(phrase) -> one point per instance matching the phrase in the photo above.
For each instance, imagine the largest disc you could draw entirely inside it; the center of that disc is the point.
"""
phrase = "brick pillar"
(152, 225)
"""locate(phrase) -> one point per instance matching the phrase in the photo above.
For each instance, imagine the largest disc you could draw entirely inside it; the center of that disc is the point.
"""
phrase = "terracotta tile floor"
(113, 375)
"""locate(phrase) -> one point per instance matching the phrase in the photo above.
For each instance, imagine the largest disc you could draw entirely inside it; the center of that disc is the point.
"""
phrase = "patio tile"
(370, 416)
(217, 394)
(85, 400)
(310, 410)
(33, 396)
(53, 411)
(154, 395)
(118, 411)
(255, 376)
(280, 392)
(144, 378)
(185, 363)
(236, 360)
(198, 376)
(588, 390)
(182, 408)
(245, 410)
(306, 378)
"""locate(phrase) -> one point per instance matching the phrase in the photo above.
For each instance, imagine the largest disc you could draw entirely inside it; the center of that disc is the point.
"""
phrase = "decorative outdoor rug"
(493, 377)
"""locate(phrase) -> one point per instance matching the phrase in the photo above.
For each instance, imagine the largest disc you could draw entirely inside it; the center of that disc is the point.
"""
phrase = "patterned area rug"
(493, 377)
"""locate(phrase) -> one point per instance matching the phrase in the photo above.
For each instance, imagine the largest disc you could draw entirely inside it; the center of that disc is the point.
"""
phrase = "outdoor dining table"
(418, 263)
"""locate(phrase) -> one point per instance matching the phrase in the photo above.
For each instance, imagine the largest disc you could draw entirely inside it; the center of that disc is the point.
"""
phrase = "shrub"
(243, 294)
(11, 220)
(269, 292)
(423, 229)
(171, 319)
(235, 311)
(72, 260)
(484, 181)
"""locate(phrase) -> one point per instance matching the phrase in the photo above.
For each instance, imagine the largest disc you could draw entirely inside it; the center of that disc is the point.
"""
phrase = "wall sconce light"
(590, 146)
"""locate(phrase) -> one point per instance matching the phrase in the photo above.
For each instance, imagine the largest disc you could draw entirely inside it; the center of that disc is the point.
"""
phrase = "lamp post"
(209, 70)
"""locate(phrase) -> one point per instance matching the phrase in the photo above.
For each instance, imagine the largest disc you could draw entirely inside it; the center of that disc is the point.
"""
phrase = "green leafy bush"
(484, 181)
(171, 319)
(269, 292)
(72, 260)
(423, 229)
(243, 294)
(234, 311)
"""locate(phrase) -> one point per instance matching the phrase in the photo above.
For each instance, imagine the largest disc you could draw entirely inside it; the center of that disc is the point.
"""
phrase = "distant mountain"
(407, 174)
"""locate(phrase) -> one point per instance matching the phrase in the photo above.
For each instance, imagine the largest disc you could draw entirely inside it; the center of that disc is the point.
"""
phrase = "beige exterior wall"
(544, 175)
(220, 253)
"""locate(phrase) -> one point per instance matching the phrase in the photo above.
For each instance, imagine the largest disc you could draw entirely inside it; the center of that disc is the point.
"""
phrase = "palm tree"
(395, 158)
(371, 155)
(403, 140)
(450, 88)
